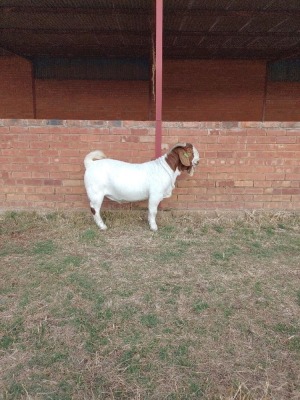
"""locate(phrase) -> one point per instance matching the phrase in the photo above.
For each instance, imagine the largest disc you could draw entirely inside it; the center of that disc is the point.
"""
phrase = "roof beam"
(229, 53)
(74, 10)
(76, 51)
(148, 11)
(58, 31)
(293, 52)
(172, 32)
(8, 50)
(233, 33)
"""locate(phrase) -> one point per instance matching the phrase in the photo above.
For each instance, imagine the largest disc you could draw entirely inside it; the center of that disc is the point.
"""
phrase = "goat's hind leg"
(95, 209)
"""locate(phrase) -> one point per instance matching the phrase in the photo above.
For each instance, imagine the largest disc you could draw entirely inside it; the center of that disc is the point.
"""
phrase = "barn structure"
(77, 75)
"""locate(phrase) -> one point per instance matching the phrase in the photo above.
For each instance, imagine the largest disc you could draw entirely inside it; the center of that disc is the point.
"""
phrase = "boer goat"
(125, 182)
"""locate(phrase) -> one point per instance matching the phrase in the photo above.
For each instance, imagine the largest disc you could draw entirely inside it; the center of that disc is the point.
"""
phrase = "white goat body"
(126, 182)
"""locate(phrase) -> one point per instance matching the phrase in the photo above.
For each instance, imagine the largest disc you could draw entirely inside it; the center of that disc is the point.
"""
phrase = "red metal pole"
(158, 77)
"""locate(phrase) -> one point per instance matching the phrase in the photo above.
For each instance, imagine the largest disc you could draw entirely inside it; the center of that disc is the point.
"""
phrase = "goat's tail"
(92, 156)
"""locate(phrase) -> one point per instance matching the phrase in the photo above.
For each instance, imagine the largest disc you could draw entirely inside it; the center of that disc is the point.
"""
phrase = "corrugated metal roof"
(261, 29)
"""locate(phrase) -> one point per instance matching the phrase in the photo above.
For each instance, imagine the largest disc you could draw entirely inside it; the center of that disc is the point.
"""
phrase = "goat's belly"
(127, 196)
(117, 200)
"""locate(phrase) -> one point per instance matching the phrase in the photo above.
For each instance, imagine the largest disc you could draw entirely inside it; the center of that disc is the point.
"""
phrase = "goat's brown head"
(183, 156)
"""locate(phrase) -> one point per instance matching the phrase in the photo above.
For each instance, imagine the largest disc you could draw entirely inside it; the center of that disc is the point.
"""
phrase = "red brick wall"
(212, 90)
(193, 90)
(283, 101)
(244, 165)
(16, 92)
(101, 100)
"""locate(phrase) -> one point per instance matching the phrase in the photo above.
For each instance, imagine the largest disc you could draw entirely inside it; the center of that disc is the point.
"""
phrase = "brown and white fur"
(125, 182)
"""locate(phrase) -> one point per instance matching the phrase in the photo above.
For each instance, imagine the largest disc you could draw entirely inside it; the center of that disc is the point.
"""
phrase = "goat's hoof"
(153, 228)
(103, 227)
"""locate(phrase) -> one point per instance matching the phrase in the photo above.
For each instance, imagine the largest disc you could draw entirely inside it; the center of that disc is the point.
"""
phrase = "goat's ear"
(184, 157)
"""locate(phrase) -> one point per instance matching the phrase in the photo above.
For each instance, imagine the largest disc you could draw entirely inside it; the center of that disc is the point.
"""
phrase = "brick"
(187, 197)
(273, 177)
(260, 140)
(139, 132)
(52, 182)
(290, 191)
(20, 174)
(256, 132)
(214, 132)
(45, 189)
(276, 132)
(147, 139)
(71, 190)
(47, 129)
(71, 182)
(39, 145)
(243, 183)
(224, 139)
(72, 197)
(251, 176)
(56, 198)
(70, 167)
(4, 129)
(35, 197)
(229, 183)
(262, 184)
(254, 205)
(225, 154)
(253, 190)
(15, 197)
(236, 132)
(38, 160)
(285, 139)
(88, 138)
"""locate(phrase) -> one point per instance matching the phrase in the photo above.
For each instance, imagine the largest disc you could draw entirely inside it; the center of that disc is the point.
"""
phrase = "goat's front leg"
(152, 208)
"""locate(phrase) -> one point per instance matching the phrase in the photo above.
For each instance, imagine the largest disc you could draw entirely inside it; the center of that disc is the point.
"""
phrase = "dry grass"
(207, 308)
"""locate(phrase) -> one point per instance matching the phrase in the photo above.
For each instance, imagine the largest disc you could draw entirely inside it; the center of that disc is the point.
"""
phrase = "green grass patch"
(89, 235)
(12, 249)
(150, 320)
(199, 306)
(11, 333)
(286, 329)
(294, 344)
(45, 247)
(207, 308)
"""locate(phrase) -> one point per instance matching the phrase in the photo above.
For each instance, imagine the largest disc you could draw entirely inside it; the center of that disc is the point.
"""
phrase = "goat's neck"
(172, 174)
(172, 159)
